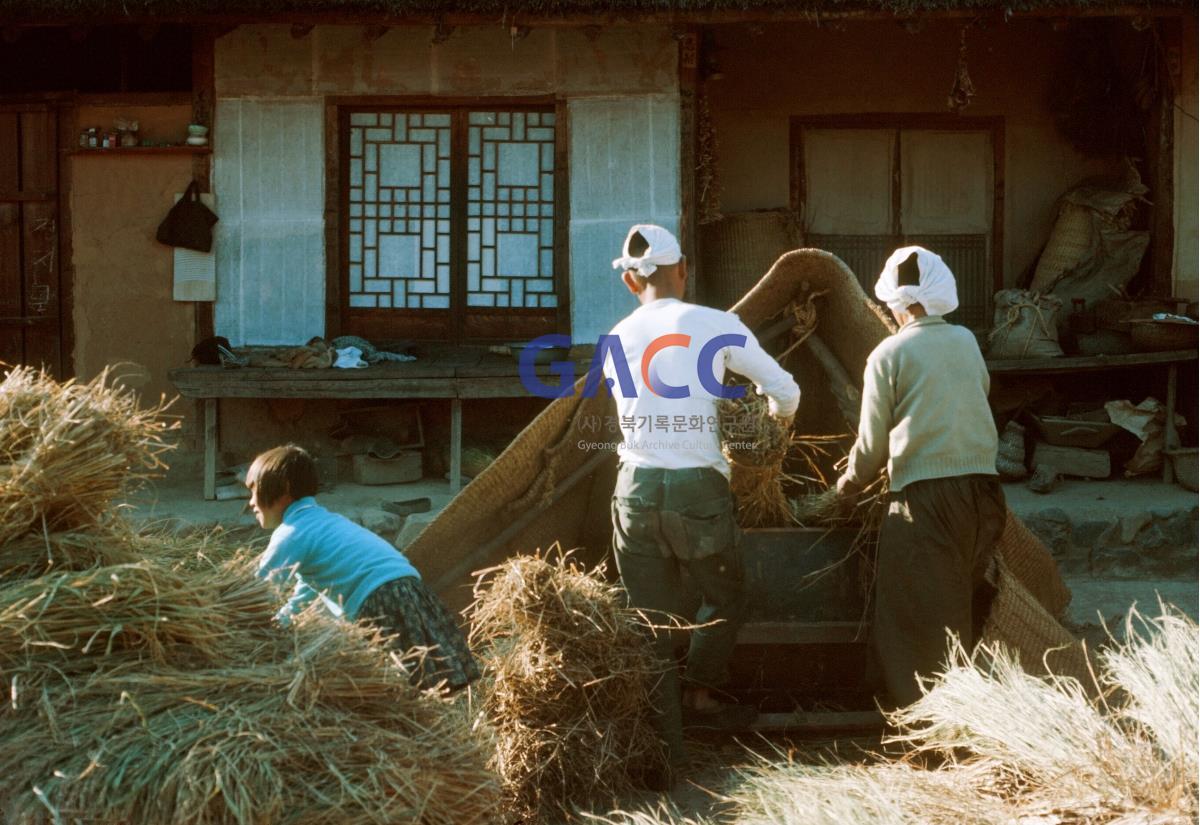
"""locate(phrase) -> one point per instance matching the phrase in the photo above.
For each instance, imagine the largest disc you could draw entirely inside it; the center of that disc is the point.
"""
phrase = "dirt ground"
(716, 765)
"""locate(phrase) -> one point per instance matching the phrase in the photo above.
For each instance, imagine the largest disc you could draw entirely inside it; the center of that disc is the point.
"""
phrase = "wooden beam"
(1170, 437)
(211, 441)
(689, 99)
(455, 446)
(68, 132)
(844, 388)
(1085, 363)
(767, 16)
(336, 156)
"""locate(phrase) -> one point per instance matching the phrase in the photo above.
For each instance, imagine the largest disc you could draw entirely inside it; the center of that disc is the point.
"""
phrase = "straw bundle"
(570, 670)
(755, 444)
(67, 451)
(143, 606)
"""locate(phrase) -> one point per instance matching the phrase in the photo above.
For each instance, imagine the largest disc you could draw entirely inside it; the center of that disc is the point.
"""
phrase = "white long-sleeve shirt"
(678, 433)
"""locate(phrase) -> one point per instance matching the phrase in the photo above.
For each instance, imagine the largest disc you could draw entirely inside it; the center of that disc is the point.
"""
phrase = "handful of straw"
(755, 443)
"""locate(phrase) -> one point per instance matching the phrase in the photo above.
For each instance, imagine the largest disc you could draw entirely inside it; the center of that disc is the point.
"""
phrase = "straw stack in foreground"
(569, 670)
(145, 680)
(1009, 748)
(1018, 748)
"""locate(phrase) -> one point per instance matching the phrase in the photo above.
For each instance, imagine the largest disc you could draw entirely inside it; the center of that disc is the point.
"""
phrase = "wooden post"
(455, 445)
(1170, 438)
(210, 448)
(204, 112)
(1160, 157)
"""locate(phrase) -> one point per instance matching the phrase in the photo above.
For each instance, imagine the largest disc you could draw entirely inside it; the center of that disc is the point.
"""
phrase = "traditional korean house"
(463, 173)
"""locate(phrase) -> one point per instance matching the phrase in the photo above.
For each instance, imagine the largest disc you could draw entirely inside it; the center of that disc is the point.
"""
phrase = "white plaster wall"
(1187, 218)
(624, 170)
(269, 180)
(623, 115)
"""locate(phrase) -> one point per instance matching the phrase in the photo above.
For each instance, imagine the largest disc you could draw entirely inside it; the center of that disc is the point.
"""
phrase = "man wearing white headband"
(925, 413)
(672, 509)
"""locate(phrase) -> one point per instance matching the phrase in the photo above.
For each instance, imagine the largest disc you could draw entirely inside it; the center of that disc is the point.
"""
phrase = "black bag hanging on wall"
(189, 223)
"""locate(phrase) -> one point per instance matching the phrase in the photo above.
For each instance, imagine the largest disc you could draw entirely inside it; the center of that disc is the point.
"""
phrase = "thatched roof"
(581, 11)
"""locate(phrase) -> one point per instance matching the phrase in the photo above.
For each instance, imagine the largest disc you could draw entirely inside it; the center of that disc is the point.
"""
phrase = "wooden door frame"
(336, 112)
(942, 122)
(61, 108)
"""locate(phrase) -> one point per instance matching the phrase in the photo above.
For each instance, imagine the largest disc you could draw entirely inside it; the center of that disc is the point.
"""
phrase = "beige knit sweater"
(924, 409)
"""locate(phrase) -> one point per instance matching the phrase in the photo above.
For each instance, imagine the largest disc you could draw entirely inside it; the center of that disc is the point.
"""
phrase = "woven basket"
(1161, 336)
(1043, 645)
(1069, 244)
(738, 249)
(1027, 558)
(1115, 313)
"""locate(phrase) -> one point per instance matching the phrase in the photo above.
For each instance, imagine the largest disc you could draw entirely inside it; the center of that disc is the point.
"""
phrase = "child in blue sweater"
(355, 572)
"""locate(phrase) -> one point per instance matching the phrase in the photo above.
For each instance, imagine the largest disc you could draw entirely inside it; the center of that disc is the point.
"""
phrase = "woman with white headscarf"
(925, 415)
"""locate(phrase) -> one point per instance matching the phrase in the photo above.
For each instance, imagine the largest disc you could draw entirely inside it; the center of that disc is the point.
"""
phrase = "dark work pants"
(936, 548)
(666, 522)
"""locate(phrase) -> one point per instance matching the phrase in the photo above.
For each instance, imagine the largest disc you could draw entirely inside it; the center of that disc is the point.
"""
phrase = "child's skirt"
(406, 609)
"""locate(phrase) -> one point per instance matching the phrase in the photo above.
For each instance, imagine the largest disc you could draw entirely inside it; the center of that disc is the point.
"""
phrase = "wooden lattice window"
(450, 225)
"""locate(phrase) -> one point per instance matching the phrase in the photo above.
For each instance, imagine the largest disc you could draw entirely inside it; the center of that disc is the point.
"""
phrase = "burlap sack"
(1025, 325)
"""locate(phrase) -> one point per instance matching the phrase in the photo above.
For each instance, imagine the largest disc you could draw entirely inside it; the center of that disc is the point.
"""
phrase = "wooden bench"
(456, 374)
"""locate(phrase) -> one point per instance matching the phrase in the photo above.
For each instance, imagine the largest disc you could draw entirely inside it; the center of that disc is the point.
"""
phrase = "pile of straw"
(569, 671)
(1016, 748)
(67, 451)
(314, 725)
(146, 682)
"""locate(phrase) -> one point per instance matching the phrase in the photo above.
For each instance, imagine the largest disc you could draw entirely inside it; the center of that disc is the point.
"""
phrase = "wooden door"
(30, 294)
(866, 186)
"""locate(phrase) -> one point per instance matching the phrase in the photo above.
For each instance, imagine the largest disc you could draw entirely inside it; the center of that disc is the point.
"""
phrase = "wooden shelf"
(144, 150)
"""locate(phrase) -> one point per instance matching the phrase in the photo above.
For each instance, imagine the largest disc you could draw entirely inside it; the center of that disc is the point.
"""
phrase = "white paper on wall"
(195, 273)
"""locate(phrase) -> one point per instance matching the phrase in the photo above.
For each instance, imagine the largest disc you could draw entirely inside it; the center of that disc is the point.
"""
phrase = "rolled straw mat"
(1020, 623)
(1031, 563)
